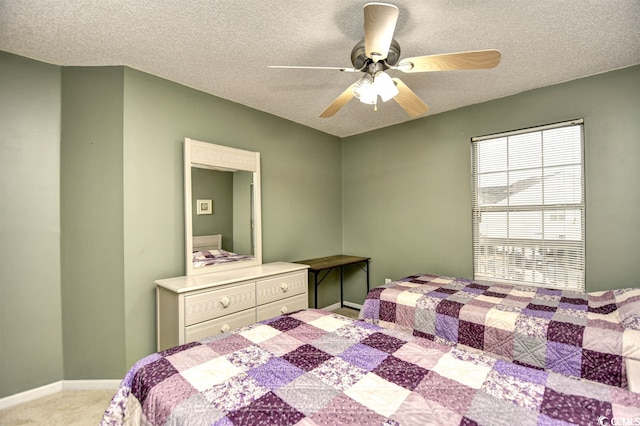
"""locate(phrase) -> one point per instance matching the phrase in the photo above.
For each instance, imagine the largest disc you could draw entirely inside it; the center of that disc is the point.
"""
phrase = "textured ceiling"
(223, 47)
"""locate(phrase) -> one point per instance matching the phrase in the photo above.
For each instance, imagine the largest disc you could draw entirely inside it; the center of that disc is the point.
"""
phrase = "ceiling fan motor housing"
(359, 58)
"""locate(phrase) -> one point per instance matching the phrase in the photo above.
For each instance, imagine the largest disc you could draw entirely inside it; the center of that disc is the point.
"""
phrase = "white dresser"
(193, 307)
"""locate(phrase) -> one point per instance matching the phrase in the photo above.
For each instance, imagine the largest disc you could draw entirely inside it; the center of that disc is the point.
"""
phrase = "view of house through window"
(528, 206)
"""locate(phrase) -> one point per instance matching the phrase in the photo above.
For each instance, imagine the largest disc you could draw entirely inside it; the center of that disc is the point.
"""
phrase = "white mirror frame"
(218, 157)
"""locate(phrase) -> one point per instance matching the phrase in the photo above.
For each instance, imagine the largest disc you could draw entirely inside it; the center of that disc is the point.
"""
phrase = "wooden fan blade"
(379, 25)
(408, 100)
(478, 59)
(337, 105)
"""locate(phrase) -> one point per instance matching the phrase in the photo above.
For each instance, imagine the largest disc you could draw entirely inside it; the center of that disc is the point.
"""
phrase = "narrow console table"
(327, 264)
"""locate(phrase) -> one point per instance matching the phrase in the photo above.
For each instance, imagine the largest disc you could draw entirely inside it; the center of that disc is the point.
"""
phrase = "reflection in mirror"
(230, 194)
(223, 231)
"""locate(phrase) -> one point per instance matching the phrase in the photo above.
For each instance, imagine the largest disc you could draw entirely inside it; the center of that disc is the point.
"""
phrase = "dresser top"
(228, 276)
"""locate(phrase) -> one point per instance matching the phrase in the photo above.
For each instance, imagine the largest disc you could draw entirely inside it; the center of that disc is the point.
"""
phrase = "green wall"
(92, 221)
(30, 305)
(407, 188)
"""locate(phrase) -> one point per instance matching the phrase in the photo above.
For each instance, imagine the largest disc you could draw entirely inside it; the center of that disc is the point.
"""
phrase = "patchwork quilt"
(585, 335)
(313, 367)
(215, 257)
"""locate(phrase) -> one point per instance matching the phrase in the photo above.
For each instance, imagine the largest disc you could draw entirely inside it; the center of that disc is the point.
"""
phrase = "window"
(528, 206)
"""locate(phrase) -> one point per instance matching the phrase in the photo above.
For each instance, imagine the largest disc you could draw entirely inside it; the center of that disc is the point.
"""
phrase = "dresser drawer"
(219, 325)
(281, 287)
(216, 303)
(283, 306)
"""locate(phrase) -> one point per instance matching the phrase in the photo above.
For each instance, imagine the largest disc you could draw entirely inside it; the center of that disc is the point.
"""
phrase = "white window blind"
(528, 206)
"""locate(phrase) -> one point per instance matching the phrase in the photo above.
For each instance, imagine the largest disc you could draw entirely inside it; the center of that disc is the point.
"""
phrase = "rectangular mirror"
(222, 207)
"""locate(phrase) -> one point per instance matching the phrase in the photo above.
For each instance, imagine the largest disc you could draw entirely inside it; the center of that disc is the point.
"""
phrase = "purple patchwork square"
(423, 335)
(522, 301)
(181, 391)
(364, 356)
(494, 294)
(478, 286)
(306, 357)
(509, 369)
(499, 342)
(601, 367)
(538, 313)
(446, 290)
(371, 309)
(387, 311)
(447, 327)
(573, 409)
(400, 372)
(549, 292)
(275, 373)
(604, 297)
(565, 359)
(306, 333)
(285, 323)
(176, 349)
(438, 295)
(574, 301)
(565, 305)
(368, 326)
(268, 410)
(383, 342)
(149, 376)
(605, 309)
(472, 290)
(471, 334)
(450, 308)
(449, 393)
(482, 304)
(545, 308)
(405, 315)
(230, 343)
(605, 325)
(565, 332)
(375, 293)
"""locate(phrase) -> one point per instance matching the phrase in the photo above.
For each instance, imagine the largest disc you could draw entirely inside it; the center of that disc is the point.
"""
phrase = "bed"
(584, 335)
(207, 250)
(313, 367)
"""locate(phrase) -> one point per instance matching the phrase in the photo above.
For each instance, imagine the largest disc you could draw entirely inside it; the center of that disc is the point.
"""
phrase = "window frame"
(544, 248)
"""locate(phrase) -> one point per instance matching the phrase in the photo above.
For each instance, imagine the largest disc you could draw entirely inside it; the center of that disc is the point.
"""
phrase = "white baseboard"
(50, 389)
(105, 384)
(352, 305)
(345, 303)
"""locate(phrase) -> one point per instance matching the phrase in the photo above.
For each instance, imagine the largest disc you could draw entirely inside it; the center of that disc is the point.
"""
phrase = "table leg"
(315, 289)
(367, 277)
(341, 279)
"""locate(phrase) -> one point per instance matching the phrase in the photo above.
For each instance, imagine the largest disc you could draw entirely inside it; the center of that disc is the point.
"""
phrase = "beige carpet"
(347, 312)
(68, 408)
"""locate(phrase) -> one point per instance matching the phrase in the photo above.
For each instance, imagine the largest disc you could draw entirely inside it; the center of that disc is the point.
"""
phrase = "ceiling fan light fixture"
(385, 86)
(365, 90)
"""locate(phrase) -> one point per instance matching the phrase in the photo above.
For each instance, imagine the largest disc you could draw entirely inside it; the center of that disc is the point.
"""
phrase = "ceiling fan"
(379, 52)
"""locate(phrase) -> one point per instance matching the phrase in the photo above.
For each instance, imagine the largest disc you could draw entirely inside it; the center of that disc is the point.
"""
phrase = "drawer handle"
(284, 310)
(225, 328)
(284, 287)
(225, 302)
